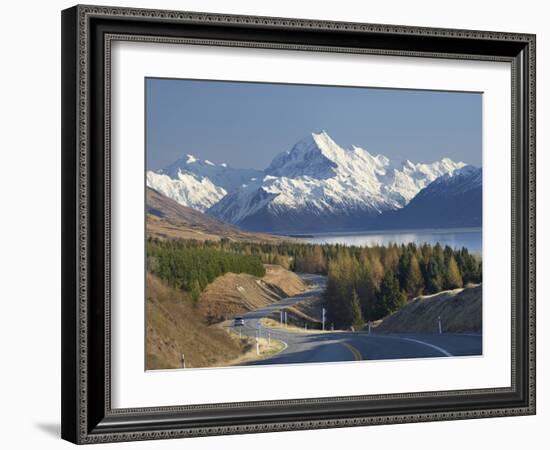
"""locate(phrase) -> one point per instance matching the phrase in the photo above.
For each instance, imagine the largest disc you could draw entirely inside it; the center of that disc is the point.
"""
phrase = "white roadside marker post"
(183, 361)
(257, 345)
(281, 318)
(286, 318)
(369, 327)
(439, 324)
(324, 317)
(269, 338)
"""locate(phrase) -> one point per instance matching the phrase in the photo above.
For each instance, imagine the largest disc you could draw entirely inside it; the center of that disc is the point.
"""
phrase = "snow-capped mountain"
(453, 184)
(187, 189)
(221, 175)
(452, 200)
(199, 184)
(318, 185)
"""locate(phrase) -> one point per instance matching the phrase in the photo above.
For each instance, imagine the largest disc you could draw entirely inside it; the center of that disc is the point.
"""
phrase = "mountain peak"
(323, 136)
(313, 156)
(316, 178)
(326, 144)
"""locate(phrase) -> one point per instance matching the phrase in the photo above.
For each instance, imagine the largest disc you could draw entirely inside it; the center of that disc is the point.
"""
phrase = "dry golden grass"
(288, 283)
(233, 294)
(268, 347)
(163, 229)
(459, 309)
(291, 328)
(174, 327)
(167, 219)
(310, 309)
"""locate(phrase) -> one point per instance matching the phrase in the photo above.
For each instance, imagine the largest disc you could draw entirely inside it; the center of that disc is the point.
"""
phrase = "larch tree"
(453, 279)
(356, 314)
(414, 283)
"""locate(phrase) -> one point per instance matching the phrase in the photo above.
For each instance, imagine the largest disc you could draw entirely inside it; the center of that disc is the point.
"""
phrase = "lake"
(455, 238)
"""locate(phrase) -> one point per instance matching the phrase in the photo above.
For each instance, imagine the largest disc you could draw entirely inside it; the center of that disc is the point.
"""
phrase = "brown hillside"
(175, 327)
(288, 283)
(460, 311)
(233, 294)
(167, 219)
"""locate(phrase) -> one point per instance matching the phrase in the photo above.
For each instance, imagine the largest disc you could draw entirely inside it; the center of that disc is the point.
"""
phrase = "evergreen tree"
(335, 293)
(434, 278)
(366, 291)
(390, 297)
(403, 268)
(378, 278)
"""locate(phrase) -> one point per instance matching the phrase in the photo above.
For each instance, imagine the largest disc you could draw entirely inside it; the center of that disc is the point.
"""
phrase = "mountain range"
(451, 201)
(319, 186)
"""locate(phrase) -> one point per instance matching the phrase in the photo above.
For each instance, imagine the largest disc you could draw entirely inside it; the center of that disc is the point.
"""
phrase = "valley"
(316, 238)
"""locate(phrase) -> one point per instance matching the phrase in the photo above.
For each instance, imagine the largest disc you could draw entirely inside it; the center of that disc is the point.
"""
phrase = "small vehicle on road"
(238, 322)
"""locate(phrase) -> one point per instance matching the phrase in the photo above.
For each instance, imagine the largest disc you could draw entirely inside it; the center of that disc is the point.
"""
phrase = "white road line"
(439, 349)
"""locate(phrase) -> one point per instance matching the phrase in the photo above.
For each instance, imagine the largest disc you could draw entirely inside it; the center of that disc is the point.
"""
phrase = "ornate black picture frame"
(87, 34)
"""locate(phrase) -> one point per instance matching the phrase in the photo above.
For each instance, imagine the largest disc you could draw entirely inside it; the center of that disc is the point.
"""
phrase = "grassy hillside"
(176, 324)
(233, 294)
(287, 283)
(174, 327)
(167, 219)
(459, 309)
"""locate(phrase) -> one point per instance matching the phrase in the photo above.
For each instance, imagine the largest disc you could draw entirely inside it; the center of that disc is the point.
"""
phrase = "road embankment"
(176, 326)
(233, 294)
(458, 309)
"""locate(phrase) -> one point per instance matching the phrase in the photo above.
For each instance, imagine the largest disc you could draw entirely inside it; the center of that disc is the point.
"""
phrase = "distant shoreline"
(470, 238)
(377, 232)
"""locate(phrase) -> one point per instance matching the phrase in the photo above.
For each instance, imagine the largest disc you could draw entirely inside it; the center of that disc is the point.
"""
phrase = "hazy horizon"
(246, 124)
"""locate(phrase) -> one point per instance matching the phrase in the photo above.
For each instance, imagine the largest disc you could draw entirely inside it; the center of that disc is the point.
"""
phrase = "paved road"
(350, 346)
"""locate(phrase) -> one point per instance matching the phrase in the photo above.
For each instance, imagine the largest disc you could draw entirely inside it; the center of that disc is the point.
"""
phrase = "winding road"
(349, 346)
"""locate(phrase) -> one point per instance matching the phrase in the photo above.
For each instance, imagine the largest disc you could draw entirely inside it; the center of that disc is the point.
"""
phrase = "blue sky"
(247, 124)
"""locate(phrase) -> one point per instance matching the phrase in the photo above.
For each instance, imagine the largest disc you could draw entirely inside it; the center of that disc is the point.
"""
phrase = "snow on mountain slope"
(198, 184)
(451, 201)
(320, 184)
(188, 189)
(221, 175)
(458, 182)
(404, 182)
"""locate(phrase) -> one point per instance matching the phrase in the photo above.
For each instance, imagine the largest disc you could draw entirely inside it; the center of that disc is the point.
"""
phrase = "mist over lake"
(471, 238)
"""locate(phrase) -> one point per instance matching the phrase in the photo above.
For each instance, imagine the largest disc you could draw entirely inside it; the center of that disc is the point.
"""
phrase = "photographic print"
(295, 224)
(303, 200)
